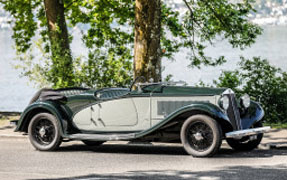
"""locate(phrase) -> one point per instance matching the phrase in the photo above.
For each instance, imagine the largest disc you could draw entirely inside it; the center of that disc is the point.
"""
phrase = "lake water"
(15, 92)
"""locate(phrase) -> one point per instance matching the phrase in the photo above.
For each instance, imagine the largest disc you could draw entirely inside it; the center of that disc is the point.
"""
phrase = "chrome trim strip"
(247, 132)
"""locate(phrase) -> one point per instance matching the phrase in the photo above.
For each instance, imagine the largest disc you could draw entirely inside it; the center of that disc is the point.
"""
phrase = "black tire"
(44, 133)
(93, 143)
(244, 144)
(201, 136)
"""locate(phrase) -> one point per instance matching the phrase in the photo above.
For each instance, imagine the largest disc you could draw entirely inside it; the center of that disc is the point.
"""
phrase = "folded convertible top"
(45, 94)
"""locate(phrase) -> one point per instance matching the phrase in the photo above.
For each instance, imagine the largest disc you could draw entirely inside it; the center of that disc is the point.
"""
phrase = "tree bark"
(62, 68)
(147, 52)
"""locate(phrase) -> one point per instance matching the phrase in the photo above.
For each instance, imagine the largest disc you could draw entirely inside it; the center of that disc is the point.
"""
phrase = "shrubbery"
(263, 82)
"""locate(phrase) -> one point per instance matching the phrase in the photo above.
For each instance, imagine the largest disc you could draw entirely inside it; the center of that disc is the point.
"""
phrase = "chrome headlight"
(224, 102)
(245, 101)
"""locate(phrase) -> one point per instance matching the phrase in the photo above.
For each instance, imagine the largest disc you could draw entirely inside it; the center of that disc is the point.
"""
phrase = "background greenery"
(108, 34)
(263, 82)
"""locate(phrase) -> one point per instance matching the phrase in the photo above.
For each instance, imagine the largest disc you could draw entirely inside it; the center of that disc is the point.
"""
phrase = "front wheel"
(201, 136)
(246, 143)
(44, 132)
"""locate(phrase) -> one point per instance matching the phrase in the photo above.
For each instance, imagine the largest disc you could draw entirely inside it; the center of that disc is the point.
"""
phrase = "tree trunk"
(62, 68)
(147, 55)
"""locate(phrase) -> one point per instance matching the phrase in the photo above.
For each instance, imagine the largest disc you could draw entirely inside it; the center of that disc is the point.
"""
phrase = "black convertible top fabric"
(45, 94)
(52, 95)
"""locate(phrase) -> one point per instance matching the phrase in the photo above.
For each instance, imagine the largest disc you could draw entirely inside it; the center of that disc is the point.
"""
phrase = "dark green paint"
(254, 114)
(64, 112)
(192, 91)
(81, 101)
(46, 105)
(180, 90)
(203, 107)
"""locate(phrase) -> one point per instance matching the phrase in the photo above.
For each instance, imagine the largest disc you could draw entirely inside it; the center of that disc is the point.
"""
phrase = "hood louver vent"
(167, 107)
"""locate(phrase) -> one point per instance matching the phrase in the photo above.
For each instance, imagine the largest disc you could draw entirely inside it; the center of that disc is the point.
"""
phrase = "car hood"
(196, 91)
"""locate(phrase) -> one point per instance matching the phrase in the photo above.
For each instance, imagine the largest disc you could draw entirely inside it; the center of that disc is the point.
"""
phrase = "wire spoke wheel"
(44, 133)
(201, 136)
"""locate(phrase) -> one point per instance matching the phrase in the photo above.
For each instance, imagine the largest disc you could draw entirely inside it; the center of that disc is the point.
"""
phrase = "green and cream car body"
(199, 118)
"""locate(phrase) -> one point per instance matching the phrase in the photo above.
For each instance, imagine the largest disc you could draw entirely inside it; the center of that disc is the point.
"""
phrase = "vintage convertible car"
(199, 118)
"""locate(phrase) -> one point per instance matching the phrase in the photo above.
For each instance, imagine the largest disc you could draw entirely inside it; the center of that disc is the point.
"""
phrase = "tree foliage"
(263, 82)
(108, 35)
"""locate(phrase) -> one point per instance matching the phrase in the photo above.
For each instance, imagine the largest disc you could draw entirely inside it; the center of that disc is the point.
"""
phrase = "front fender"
(252, 115)
(199, 107)
(38, 107)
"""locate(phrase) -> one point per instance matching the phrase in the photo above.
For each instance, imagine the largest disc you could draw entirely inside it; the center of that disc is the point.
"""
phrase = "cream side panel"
(121, 112)
(83, 121)
(143, 111)
(132, 114)
(154, 104)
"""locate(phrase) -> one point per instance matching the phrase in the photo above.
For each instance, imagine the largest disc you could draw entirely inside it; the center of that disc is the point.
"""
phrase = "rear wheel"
(93, 143)
(44, 132)
(246, 143)
(201, 136)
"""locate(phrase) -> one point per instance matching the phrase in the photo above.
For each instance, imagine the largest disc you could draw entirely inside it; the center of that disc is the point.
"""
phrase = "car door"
(118, 112)
(114, 112)
(83, 121)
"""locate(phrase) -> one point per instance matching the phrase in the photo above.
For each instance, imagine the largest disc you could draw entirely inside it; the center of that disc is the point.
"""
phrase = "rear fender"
(39, 107)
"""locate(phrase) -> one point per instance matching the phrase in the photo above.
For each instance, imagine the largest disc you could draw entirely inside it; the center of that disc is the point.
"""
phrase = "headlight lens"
(245, 101)
(224, 102)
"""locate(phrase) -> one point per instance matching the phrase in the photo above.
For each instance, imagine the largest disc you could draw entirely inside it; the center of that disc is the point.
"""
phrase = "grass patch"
(9, 118)
(277, 125)
(5, 118)
(3, 122)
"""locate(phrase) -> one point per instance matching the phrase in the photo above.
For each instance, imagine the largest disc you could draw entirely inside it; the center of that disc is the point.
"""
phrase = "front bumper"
(247, 132)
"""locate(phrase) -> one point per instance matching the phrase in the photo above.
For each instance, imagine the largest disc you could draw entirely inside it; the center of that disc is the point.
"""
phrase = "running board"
(102, 137)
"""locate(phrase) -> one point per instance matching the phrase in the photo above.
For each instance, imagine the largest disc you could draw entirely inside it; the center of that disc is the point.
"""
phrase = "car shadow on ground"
(226, 173)
(126, 149)
(175, 150)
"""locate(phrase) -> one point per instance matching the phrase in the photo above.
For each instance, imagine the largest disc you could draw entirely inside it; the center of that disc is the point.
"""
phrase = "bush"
(263, 82)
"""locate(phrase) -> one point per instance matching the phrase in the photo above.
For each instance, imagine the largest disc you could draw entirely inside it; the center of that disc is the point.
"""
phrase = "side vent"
(167, 107)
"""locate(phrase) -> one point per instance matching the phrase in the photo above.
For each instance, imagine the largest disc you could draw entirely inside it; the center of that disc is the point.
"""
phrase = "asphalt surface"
(19, 160)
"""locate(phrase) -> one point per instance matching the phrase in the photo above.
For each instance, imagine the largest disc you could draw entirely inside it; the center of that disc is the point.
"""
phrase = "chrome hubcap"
(198, 136)
(42, 132)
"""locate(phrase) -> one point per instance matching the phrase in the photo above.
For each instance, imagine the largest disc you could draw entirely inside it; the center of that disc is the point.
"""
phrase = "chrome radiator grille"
(233, 112)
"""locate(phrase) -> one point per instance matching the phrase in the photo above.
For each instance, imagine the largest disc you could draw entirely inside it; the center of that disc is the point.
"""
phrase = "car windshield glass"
(154, 88)
(112, 93)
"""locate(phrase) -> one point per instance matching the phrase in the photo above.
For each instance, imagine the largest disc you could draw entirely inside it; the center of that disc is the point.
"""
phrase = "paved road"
(18, 160)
